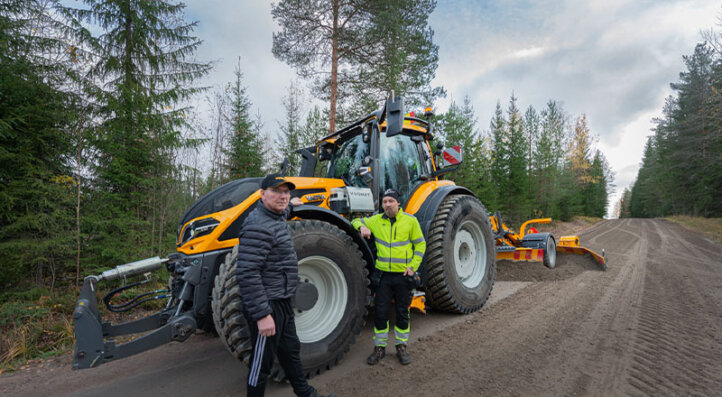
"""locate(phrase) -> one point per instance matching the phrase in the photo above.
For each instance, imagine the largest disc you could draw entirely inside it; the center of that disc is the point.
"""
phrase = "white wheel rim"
(318, 322)
(551, 252)
(470, 254)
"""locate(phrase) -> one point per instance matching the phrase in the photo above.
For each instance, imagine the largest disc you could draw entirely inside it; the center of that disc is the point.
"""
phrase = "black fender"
(535, 240)
(428, 209)
(325, 215)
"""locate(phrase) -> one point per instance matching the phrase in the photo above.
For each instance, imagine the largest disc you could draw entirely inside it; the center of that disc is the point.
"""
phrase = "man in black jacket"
(267, 272)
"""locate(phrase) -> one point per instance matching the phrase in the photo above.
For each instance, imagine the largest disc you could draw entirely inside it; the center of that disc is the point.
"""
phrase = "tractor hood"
(222, 198)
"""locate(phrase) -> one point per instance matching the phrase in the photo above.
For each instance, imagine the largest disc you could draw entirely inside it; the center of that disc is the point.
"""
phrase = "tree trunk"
(334, 70)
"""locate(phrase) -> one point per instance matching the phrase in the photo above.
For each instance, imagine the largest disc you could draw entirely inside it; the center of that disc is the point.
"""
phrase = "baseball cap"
(275, 180)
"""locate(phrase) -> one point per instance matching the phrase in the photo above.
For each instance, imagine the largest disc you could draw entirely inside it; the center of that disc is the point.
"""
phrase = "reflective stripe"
(402, 335)
(419, 254)
(418, 240)
(257, 361)
(392, 260)
(363, 221)
(394, 244)
(381, 336)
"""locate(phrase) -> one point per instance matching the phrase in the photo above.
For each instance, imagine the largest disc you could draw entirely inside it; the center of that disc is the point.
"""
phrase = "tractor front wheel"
(460, 257)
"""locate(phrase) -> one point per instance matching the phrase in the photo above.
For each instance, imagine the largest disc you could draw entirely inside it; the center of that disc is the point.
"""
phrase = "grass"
(36, 324)
(710, 227)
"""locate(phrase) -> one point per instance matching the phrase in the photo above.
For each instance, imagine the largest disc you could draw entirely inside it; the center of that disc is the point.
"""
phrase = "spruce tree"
(37, 186)
(244, 155)
(291, 130)
(144, 71)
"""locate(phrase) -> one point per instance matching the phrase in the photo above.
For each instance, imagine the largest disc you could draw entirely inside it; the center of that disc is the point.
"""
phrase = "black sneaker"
(403, 355)
(376, 356)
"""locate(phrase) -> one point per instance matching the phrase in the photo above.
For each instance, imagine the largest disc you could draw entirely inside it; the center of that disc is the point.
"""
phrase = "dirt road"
(650, 325)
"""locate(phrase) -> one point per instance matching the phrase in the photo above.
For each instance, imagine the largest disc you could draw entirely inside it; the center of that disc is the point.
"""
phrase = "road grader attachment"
(529, 245)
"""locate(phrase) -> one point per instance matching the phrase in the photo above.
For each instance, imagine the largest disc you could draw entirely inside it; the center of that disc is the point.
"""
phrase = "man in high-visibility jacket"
(400, 247)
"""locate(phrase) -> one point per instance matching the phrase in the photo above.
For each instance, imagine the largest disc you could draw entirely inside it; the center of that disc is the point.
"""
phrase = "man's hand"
(296, 202)
(365, 232)
(409, 272)
(266, 326)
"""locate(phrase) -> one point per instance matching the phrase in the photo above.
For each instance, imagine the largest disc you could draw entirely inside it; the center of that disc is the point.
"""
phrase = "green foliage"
(355, 52)
(681, 171)
(36, 187)
(144, 70)
(290, 138)
(245, 157)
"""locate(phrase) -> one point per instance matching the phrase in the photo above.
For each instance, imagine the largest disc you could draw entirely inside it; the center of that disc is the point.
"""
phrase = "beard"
(390, 212)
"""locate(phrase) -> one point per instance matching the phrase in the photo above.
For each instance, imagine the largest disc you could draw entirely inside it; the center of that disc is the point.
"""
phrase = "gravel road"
(650, 325)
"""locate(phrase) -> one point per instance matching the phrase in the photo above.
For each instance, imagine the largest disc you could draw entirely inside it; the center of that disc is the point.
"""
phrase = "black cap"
(391, 193)
(275, 180)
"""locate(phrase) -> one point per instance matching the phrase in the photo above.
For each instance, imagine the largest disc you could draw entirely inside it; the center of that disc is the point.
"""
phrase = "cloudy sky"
(610, 59)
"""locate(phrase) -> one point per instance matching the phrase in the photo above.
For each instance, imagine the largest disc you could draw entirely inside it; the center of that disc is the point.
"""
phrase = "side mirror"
(366, 161)
(366, 175)
(394, 116)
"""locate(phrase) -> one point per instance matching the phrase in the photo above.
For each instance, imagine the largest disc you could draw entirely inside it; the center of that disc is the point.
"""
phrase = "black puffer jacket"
(267, 263)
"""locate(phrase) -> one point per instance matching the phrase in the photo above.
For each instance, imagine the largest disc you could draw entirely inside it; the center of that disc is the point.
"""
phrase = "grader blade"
(570, 245)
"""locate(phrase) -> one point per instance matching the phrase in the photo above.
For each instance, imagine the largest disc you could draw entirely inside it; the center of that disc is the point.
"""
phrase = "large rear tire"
(331, 262)
(460, 257)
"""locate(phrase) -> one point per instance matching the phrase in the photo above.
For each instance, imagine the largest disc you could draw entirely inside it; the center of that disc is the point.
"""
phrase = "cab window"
(346, 160)
(401, 165)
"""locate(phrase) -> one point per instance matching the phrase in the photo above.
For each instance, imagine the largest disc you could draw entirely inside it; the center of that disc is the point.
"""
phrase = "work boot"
(403, 355)
(376, 356)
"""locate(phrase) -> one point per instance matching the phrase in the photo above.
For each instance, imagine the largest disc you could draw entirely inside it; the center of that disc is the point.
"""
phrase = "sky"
(612, 60)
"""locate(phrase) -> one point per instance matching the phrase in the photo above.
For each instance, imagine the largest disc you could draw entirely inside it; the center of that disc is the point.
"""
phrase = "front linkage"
(93, 337)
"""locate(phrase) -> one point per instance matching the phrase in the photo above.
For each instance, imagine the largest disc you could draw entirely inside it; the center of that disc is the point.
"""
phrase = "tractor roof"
(411, 125)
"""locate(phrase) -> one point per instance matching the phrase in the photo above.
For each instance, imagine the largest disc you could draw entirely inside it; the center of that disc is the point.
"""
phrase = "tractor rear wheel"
(332, 293)
(460, 257)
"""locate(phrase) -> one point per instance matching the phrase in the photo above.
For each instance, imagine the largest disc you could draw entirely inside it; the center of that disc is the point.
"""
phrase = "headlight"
(198, 228)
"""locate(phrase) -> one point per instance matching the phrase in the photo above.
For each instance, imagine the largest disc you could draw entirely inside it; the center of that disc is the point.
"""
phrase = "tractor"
(341, 177)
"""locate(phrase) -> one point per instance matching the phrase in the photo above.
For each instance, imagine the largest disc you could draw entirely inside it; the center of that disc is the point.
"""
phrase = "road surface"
(650, 325)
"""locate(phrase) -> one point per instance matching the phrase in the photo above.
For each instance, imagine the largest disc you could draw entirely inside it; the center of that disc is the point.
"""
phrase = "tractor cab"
(380, 151)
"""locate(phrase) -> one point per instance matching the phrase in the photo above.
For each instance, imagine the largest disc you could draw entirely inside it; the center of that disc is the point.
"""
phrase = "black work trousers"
(392, 286)
(284, 345)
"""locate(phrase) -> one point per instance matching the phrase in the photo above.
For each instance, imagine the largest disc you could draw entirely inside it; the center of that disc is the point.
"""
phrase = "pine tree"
(355, 50)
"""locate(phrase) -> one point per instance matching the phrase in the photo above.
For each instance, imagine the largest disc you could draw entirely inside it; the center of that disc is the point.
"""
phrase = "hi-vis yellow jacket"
(398, 246)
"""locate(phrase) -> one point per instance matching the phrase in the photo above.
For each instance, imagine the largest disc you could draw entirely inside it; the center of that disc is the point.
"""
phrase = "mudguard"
(326, 215)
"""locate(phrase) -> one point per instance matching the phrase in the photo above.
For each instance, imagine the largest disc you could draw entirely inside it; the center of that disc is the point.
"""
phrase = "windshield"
(347, 159)
(401, 166)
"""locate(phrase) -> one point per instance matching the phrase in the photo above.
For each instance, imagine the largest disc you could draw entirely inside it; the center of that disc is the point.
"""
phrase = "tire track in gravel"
(677, 347)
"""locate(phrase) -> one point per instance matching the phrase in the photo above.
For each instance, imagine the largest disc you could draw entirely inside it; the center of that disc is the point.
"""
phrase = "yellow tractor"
(355, 164)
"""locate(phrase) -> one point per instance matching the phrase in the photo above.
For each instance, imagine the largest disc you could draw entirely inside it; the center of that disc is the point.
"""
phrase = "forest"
(101, 151)
(681, 171)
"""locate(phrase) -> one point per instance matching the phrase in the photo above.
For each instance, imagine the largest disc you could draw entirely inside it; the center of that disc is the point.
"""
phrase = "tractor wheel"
(460, 257)
(550, 253)
(330, 301)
